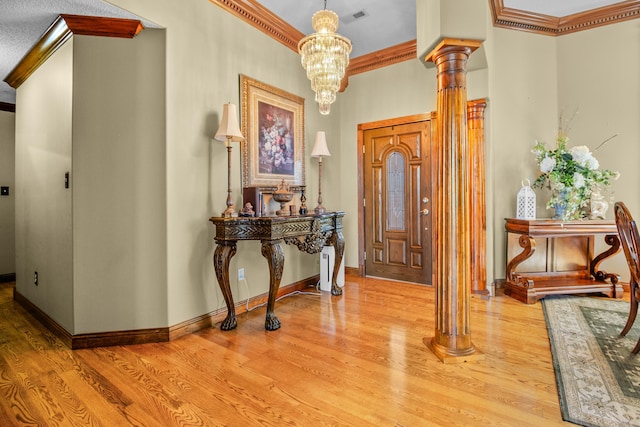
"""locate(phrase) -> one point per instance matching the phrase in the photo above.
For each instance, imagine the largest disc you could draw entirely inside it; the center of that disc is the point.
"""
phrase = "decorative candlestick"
(303, 206)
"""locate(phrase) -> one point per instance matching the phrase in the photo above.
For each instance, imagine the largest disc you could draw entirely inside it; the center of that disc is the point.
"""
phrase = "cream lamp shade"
(229, 129)
(320, 148)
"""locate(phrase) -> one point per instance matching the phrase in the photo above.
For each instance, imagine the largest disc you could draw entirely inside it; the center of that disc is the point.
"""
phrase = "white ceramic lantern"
(526, 208)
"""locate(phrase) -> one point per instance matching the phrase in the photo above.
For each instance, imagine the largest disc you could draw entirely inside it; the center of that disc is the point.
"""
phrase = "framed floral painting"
(272, 122)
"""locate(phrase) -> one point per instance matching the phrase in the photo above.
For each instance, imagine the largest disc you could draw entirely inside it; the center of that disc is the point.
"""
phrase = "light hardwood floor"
(354, 360)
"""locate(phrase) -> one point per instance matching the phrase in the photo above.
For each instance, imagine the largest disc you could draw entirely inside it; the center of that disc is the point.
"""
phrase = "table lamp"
(320, 149)
(227, 132)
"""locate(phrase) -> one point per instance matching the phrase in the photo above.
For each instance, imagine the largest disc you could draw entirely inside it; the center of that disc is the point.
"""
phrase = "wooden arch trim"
(60, 31)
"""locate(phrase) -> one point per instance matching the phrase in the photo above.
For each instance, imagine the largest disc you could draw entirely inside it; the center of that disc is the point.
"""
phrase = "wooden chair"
(630, 240)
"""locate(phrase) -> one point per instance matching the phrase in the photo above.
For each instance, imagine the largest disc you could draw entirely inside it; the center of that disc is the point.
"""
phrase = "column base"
(474, 355)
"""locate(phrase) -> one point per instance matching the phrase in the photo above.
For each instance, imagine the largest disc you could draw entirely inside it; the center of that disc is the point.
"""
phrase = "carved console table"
(564, 263)
(309, 233)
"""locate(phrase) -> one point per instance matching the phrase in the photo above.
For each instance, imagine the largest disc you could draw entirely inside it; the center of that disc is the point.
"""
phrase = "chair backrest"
(629, 238)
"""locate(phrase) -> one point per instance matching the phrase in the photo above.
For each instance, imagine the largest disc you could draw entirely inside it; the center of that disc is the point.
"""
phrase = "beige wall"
(438, 19)
(95, 109)
(119, 195)
(598, 76)
(7, 203)
(522, 107)
(43, 205)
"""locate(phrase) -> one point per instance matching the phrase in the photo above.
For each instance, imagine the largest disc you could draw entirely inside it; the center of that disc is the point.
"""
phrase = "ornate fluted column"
(452, 201)
(475, 124)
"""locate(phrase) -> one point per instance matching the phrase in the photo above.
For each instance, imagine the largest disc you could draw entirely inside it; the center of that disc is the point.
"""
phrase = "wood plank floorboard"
(354, 360)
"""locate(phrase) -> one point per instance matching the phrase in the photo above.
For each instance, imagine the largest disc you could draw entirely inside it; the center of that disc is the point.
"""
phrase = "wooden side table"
(309, 233)
(557, 257)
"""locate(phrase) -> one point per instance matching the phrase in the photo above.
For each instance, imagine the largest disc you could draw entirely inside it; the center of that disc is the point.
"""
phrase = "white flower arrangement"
(571, 174)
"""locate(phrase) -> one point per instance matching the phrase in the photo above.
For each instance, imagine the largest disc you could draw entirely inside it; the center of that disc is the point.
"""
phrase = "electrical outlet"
(35, 278)
(241, 274)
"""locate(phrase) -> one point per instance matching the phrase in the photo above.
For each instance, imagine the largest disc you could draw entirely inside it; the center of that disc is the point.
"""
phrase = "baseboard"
(106, 339)
(354, 271)
(209, 320)
(6, 278)
(481, 292)
(43, 318)
(153, 335)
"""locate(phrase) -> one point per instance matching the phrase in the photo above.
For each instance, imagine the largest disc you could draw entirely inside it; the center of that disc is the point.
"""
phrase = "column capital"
(475, 113)
(448, 44)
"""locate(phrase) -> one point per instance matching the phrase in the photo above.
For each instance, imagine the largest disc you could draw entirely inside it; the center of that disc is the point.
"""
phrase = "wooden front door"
(397, 193)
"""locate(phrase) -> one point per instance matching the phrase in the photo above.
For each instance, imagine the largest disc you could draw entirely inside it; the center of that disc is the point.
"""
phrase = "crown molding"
(381, 58)
(515, 19)
(60, 31)
(261, 18)
(102, 27)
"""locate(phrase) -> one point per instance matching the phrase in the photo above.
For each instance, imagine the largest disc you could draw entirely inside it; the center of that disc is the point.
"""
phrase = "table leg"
(272, 251)
(528, 245)
(221, 258)
(337, 240)
(613, 241)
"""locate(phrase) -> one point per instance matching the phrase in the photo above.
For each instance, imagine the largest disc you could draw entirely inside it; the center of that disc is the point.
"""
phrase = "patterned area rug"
(598, 377)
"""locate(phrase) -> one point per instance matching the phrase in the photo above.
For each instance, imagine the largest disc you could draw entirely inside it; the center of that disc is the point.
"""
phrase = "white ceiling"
(557, 7)
(385, 23)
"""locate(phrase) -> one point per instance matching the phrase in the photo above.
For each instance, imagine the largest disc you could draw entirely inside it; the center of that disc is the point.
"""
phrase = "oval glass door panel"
(395, 192)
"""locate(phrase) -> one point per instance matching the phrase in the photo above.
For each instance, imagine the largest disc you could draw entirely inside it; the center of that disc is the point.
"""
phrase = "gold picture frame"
(272, 122)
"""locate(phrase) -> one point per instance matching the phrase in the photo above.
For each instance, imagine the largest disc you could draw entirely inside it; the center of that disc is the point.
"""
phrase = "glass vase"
(562, 206)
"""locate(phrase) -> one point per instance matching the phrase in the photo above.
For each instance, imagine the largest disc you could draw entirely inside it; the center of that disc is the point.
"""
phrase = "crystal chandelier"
(325, 56)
